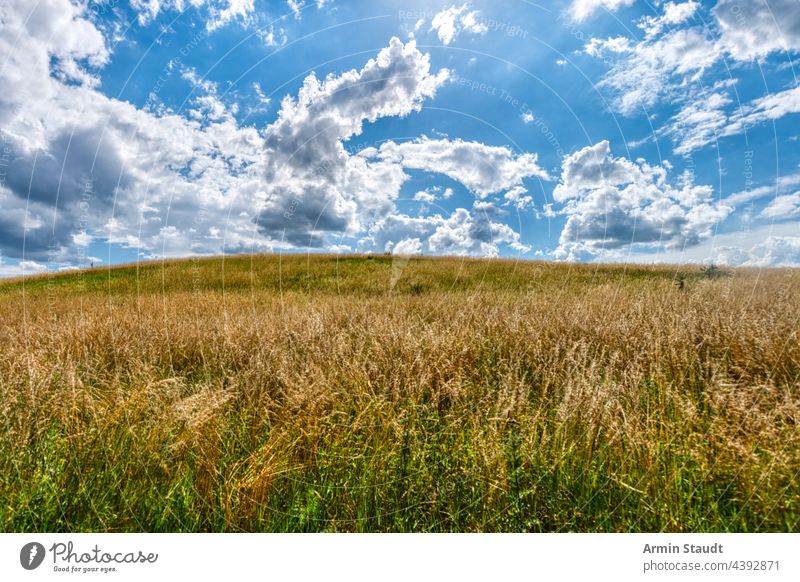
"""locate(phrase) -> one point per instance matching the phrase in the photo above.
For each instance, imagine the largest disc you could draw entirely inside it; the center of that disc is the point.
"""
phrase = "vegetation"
(316, 393)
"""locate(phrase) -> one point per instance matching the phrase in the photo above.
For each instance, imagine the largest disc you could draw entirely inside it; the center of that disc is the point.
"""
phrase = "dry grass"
(309, 393)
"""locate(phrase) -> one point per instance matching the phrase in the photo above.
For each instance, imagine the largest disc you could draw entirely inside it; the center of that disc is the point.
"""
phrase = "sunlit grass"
(302, 393)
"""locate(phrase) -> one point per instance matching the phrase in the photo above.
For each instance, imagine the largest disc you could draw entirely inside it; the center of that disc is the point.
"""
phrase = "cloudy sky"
(583, 130)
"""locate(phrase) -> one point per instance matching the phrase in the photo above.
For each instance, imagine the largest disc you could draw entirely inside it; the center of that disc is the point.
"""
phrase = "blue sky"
(585, 130)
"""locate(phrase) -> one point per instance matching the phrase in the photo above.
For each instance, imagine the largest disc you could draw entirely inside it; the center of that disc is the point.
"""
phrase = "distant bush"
(712, 271)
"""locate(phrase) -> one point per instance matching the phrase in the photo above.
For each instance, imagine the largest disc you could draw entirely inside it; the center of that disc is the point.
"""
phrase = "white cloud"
(706, 118)
(653, 69)
(783, 207)
(731, 248)
(206, 106)
(462, 233)
(273, 37)
(782, 184)
(613, 204)
(678, 12)
(32, 267)
(173, 185)
(235, 10)
(148, 10)
(448, 23)
(295, 6)
(773, 251)
(425, 196)
(754, 29)
(670, 63)
(582, 9)
(674, 13)
(56, 38)
(597, 47)
(119, 173)
(699, 123)
(767, 108)
(591, 167)
(776, 251)
(220, 12)
(17, 270)
(519, 198)
(198, 82)
(481, 168)
(82, 239)
(313, 185)
(407, 246)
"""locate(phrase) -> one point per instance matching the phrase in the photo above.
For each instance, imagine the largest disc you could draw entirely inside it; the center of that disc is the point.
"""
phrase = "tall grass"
(322, 394)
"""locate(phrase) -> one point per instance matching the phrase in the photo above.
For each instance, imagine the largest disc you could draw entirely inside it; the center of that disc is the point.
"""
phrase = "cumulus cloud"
(612, 203)
(84, 167)
(32, 267)
(450, 22)
(40, 39)
(425, 196)
(313, 185)
(464, 232)
(407, 246)
(591, 167)
(753, 30)
(482, 168)
(774, 251)
(519, 198)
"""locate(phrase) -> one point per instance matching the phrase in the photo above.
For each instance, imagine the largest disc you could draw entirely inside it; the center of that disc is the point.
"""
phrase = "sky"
(574, 130)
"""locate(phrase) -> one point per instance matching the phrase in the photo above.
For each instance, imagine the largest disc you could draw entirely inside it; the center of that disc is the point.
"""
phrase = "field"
(366, 393)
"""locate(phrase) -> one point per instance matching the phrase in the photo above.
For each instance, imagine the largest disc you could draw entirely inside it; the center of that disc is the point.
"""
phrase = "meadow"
(371, 393)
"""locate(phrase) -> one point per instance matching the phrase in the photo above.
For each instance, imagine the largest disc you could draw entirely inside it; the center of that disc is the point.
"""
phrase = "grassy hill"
(310, 393)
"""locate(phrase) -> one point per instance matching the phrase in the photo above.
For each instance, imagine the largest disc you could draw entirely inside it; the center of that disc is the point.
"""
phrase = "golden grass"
(313, 393)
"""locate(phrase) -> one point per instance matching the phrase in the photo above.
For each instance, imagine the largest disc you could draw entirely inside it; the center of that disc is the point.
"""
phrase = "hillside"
(351, 393)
